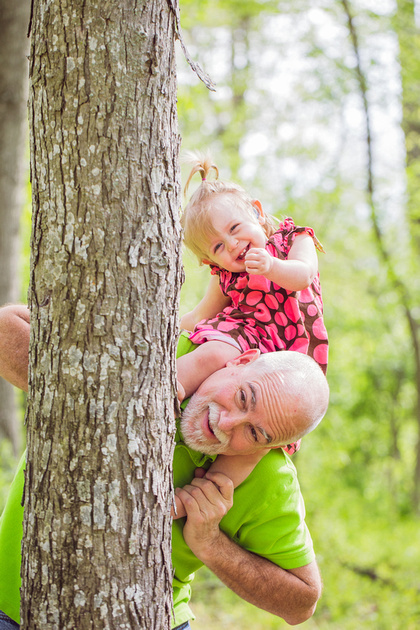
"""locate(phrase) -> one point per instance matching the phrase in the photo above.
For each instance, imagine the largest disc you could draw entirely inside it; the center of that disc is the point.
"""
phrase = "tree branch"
(203, 76)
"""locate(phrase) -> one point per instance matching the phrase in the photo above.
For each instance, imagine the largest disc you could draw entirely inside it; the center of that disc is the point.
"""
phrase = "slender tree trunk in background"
(409, 41)
(407, 297)
(14, 47)
(105, 277)
(240, 78)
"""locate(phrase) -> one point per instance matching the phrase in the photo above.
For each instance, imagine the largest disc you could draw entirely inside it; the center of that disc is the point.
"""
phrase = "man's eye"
(242, 397)
(254, 434)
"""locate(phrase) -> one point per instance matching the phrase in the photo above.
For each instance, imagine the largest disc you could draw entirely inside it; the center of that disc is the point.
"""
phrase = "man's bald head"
(256, 401)
(303, 385)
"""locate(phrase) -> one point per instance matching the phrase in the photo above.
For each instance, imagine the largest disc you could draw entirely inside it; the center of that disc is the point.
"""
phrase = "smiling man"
(255, 539)
(256, 402)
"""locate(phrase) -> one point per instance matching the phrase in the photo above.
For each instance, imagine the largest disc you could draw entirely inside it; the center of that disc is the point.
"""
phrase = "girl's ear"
(258, 211)
(205, 261)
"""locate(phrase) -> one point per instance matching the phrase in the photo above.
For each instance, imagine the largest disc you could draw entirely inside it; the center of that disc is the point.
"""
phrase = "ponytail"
(196, 218)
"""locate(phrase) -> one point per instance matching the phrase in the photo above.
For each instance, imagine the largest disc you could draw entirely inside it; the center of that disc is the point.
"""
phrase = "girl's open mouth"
(243, 252)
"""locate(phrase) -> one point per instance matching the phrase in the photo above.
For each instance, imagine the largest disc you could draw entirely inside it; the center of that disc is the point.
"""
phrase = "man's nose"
(226, 422)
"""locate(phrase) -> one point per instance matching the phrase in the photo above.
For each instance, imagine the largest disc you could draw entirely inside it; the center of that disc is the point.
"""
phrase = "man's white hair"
(305, 384)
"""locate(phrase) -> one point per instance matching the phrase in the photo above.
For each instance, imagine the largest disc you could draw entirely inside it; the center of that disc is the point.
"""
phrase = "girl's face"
(235, 231)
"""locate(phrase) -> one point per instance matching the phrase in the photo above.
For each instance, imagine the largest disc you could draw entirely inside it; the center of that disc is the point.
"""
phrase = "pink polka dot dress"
(264, 315)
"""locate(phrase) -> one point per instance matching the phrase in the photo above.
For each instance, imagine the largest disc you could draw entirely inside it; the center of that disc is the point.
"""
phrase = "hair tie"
(203, 179)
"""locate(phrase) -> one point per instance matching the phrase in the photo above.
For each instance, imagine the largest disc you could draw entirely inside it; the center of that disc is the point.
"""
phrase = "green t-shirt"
(267, 518)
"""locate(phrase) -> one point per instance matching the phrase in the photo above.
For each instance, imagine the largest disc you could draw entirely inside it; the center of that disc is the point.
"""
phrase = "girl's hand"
(258, 261)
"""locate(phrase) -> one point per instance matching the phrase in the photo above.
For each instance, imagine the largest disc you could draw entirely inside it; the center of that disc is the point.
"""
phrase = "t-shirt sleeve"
(283, 539)
(10, 545)
(268, 516)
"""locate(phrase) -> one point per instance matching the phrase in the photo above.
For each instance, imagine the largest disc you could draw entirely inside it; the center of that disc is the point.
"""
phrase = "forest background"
(316, 113)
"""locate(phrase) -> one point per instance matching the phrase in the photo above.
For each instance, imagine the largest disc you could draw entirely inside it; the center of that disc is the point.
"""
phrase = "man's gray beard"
(191, 429)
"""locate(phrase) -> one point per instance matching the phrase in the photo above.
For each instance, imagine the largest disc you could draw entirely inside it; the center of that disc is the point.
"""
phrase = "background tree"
(14, 45)
(105, 275)
(408, 32)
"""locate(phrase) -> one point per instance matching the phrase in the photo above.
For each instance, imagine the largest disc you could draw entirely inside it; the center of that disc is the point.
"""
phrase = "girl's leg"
(195, 367)
(237, 467)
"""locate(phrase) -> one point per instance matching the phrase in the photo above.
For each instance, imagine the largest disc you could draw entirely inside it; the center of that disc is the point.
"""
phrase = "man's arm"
(291, 594)
(14, 345)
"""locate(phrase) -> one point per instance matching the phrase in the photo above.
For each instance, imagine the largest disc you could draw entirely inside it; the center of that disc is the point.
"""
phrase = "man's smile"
(206, 426)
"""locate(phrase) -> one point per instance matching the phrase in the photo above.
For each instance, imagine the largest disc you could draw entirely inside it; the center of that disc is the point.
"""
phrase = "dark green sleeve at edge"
(10, 544)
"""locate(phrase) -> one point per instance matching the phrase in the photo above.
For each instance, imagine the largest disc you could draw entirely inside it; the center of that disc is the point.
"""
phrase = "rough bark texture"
(105, 277)
(14, 46)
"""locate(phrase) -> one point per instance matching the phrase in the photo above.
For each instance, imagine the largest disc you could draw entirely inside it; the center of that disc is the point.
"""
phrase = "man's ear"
(258, 211)
(245, 358)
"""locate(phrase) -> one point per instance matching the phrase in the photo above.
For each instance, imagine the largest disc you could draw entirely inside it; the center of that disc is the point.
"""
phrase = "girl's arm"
(236, 467)
(294, 274)
(212, 303)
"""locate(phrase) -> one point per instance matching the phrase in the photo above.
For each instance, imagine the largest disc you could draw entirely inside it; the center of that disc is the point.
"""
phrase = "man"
(257, 542)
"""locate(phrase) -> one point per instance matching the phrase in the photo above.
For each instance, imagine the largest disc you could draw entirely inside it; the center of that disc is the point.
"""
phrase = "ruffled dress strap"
(288, 231)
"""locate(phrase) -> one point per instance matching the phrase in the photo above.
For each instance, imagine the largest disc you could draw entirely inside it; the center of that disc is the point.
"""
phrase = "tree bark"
(105, 277)
(14, 46)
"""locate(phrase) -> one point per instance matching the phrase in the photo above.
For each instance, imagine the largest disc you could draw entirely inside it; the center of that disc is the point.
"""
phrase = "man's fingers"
(223, 483)
(215, 491)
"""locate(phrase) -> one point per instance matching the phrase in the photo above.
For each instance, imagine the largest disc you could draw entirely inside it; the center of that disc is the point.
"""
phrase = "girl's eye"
(217, 247)
(234, 227)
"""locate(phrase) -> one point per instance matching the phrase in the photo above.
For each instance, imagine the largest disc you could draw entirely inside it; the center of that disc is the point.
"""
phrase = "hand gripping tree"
(105, 277)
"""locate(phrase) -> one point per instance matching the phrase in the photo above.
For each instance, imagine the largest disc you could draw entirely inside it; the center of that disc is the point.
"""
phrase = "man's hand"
(14, 344)
(258, 261)
(206, 501)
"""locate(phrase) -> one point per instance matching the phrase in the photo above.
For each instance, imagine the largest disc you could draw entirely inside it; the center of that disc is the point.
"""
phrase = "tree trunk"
(398, 282)
(14, 18)
(409, 41)
(105, 277)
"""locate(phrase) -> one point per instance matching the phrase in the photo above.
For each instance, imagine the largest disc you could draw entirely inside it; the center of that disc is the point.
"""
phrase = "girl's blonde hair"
(196, 218)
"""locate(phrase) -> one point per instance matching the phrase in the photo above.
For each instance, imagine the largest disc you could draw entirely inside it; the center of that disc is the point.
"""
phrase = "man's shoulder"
(273, 471)
(268, 513)
(273, 478)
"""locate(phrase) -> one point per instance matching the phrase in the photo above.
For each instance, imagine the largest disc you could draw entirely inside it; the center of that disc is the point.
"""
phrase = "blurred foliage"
(287, 123)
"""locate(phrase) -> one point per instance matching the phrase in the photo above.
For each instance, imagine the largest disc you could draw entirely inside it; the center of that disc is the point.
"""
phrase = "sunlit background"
(316, 113)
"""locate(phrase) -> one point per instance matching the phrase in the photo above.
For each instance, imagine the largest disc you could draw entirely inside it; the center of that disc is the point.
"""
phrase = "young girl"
(264, 290)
